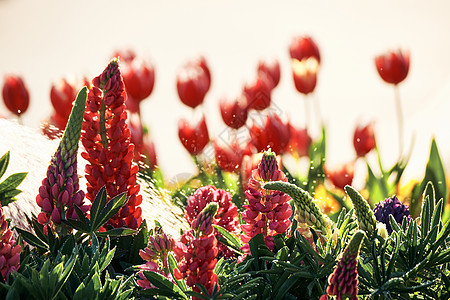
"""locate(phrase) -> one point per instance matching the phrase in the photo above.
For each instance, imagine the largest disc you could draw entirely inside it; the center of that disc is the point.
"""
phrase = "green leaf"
(98, 204)
(12, 181)
(110, 209)
(435, 173)
(116, 232)
(4, 162)
(32, 239)
(231, 238)
(163, 284)
(172, 266)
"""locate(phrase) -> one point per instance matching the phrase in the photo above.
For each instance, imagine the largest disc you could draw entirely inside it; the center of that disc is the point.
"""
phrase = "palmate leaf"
(230, 239)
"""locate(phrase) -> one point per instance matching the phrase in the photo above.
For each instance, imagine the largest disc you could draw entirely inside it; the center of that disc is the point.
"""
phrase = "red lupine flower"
(304, 47)
(60, 192)
(226, 216)
(234, 113)
(62, 96)
(192, 84)
(304, 73)
(343, 282)
(139, 78)
(267, 212)
(258, 92)
(249, 163)
(9, 251)
(364, 139)
(229, 157)
(393, 66)
(341, 175)
(194, 139)
(273, 134)
(108, 150)
(271, 69)
(299, 142)
(197, 252)
(15, 95)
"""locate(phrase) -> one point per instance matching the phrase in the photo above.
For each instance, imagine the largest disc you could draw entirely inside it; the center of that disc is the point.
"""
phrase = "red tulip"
(341, 175)
(304, 47)
(234, 113)
(272, 70)
(62, 96)
(364, 139)
(139, 78)
(305, 74)
(300, 141)
(274, 134)
(201, 62)
(229, 157)
(15, 94)
(192, 85)
(393, 66)
(194, 139)
(258, 92)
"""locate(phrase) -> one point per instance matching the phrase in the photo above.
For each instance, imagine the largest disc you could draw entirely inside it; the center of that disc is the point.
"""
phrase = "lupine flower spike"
(307, 210)
(267, 212)
(391, 206)
(197, 252)
(60, 192)
(109, 151)
(9, 251)
(227, 213)
(364, 215)
(156, 257)
(343, 282)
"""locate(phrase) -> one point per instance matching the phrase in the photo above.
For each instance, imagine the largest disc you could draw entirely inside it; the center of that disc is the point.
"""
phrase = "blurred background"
(44, 41)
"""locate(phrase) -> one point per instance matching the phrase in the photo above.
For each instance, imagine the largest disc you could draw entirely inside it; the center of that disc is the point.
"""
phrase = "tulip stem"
(399, 119)
(317, 109)
(307, 119)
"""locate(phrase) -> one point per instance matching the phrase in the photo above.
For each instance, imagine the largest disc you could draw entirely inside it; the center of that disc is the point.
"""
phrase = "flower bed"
(257, 229)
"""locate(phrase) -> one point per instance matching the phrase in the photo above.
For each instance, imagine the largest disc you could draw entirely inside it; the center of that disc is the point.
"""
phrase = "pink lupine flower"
(227, 213)
(343, 282)
(158, 249)
(108, 150)
(197, 252)
(267, 212)
(9, 251)
(60, 192)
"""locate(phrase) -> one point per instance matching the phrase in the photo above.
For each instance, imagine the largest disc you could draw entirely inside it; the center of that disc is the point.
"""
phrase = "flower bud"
(15, 94)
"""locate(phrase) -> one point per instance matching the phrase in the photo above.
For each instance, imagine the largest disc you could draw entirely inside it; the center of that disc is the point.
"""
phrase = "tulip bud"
(62, 96)
(229, 158)
(304, 73)
(139, 79)
(194, 139)
(258, 92)
(303, 47)
(393, 66)
(271, 69)
(273, 134)
(234, 113)
(192, 85)
(15, 95)
(364, 140)
(299, 142)
(341, 175)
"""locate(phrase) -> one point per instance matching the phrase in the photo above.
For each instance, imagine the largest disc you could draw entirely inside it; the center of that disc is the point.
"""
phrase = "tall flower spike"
(197, 252)
(60, 192)
(306, 210)
(343, 282)
(9, 251)
(364, 214)
(108, 148)
(267, 212)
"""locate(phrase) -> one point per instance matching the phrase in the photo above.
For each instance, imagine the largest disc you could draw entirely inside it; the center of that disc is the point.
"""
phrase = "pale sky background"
(46, 40)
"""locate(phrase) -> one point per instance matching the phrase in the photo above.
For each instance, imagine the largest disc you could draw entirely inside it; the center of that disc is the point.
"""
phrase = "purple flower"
(391, 206)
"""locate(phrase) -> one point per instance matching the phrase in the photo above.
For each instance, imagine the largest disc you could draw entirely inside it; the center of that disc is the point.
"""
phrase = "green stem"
(400, 120)
(102, 125)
